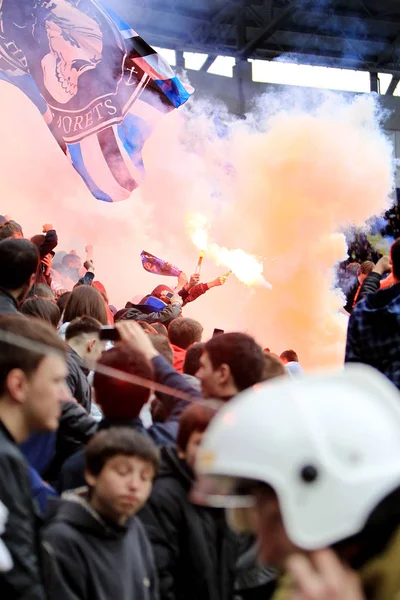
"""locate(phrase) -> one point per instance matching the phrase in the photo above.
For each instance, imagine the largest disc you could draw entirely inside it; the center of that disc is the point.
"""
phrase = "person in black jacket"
(100, 548)
(84, 350)
(19, 261)
(122, 402)
(32, 384)
(195, 550)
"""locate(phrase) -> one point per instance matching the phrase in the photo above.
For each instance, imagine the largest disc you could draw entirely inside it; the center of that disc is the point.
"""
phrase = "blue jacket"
(373, 336)
(162, 434)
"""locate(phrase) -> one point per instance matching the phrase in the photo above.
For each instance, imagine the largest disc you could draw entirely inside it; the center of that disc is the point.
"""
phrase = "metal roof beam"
(208, 62)
(392, 86)
(268, 30)
(388, 52)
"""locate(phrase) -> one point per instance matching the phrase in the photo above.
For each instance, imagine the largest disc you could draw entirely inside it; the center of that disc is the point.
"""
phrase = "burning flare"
(247, 268)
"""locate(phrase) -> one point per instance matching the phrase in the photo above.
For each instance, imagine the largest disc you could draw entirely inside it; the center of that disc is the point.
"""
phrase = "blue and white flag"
(98, 85)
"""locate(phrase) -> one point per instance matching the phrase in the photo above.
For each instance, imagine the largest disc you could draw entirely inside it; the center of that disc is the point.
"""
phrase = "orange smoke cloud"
(281, 190)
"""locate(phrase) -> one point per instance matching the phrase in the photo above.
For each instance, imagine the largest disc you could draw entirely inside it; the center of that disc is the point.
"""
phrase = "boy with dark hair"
(194, 549)
(84, 350)
(19, 261)
(182, 333)
(230, 363)
(100, 548)
(32, 385)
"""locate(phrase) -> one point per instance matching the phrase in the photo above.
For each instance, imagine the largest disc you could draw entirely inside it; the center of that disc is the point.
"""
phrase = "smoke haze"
(280, 185)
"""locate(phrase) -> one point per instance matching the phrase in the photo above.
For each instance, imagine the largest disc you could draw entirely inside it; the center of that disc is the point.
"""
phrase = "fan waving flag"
(98, 85)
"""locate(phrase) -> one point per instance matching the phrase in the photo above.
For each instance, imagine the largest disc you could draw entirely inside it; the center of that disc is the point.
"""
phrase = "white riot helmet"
(329, 446)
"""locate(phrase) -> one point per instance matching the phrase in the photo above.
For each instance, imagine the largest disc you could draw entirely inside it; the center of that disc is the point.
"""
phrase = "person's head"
(395, 259)
(230, 363)
(10, 229)
(160, 328)
(161, 292)
(19, 261)
(192, 359)
(289, 356)
(192, 424)
(312, 459)
(71, 261)
(365, 269)
(82, 335)
(147, 327)
(85, 301)
(62, 301)
(122, 400)
(41, 290)
(184, 332)
(38, 239)
(273, 367)
(353, 270)
(45, 310)
(32, 376)
(162, 345)
(120, 466)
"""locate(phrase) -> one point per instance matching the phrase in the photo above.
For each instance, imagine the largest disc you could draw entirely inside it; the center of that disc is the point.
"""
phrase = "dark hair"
(395, 256)
(19, 260)
(63, 300)
(45, 310)
(162, 345)
(8, 229)
(273, 367)
(43, 291)
(38, 239)
(241, 353)
(119, 441)
(28, 360)
(160, 328)
(85, 301)
(290, 356)
(192, 358)
(184, 332)
(195, 417)
(119, 399)
(81, 326)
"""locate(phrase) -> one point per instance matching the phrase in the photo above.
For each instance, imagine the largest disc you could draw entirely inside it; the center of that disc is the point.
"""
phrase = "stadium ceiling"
(351, 34)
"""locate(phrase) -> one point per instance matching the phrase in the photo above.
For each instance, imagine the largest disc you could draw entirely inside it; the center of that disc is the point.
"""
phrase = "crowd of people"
(139, 461)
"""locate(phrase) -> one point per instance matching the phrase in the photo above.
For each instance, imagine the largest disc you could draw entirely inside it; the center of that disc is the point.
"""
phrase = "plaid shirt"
(373, 336)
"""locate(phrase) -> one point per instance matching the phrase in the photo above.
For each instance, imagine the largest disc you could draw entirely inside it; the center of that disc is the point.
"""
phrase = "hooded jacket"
(195, 550)
(373, 335)
(140, 312)
(95, 559)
